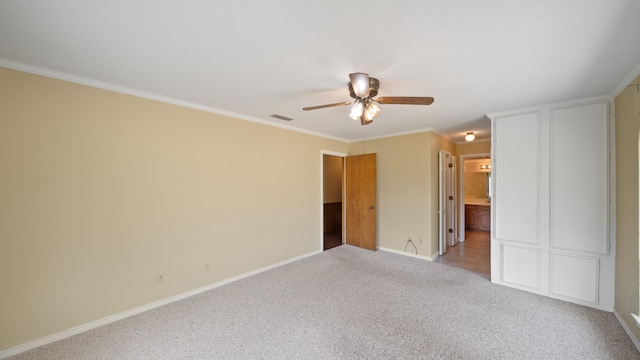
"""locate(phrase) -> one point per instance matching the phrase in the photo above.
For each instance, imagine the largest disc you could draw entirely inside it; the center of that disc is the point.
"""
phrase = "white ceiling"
(252, 59)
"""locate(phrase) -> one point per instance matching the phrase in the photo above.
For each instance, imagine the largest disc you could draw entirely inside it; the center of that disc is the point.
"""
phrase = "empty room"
(319, 180)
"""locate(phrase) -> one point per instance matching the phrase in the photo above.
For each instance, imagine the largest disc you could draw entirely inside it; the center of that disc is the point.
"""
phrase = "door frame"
(321, 194)
(461, 218)
(446, 210)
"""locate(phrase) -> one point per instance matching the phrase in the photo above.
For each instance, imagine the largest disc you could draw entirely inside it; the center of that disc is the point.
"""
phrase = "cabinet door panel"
(516, 178)
(575, 277)
(469, 217)
(520, 266)
(579, 173)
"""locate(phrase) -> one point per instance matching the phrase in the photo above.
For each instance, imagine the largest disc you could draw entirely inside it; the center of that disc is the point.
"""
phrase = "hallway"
(473, 254)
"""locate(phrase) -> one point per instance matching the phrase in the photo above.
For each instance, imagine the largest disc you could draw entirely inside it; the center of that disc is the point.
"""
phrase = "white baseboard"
(635, 340)
(125, 314)
(405, 253)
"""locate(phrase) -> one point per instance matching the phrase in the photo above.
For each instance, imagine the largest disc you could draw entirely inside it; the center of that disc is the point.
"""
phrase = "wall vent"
(281, 117)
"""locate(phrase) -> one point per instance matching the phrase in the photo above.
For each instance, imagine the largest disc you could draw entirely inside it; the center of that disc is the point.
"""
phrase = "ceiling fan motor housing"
(374, 85)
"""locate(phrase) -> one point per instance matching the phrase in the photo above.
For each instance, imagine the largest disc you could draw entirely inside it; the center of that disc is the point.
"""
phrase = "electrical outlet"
(207, 267)
(160, 277)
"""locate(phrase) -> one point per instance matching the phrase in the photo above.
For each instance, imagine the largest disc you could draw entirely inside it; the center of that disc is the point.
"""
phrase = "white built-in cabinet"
(551, 210)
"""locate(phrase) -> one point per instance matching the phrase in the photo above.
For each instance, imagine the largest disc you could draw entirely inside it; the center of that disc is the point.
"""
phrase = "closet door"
(551, 202)
(579, 206)
(515, 251)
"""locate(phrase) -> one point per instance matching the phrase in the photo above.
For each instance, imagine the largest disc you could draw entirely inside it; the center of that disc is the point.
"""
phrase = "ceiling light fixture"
(356, 110)
(364, 112)
(360, 84)
(470, 136)
(371, 111)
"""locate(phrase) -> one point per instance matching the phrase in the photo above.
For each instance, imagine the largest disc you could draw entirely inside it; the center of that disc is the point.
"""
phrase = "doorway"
(475, 190)
(348, 199)
(473, 251)
(332, 194)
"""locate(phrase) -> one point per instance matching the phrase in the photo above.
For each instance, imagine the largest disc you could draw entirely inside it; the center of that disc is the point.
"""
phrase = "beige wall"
(101, 191)
(332, 178)
(403, 190)
(474, 147)
(407, 189)
(627, 117)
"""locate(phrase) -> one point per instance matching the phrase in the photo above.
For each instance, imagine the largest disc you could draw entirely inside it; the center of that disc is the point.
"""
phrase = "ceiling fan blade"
(326, 106)
(405, 100)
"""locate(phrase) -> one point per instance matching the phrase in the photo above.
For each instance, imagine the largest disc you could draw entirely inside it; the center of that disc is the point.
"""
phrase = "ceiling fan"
(364, 89)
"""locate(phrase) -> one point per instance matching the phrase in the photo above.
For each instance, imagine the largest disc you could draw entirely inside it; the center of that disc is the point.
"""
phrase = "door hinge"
(450, 197)
(450, 231)
(450, 165)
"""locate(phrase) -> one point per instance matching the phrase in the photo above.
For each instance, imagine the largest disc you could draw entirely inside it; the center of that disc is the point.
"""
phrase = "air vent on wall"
(281, 117)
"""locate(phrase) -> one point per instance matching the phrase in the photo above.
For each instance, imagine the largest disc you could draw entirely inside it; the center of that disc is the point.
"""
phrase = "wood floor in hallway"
(473, 254)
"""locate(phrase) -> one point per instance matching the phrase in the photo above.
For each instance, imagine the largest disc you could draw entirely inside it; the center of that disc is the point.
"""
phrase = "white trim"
(633, 338)
(151, 96)
(135, 311)
(626, 81)
(405, 253)
(169, 100)
(441, 134)
(636, 318)
(550, 106)
(416, 131)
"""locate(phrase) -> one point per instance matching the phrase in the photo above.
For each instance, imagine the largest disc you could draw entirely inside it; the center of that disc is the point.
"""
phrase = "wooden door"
(360, 199)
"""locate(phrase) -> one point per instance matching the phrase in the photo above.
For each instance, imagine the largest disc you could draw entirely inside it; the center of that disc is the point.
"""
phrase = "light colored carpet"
(349, 303)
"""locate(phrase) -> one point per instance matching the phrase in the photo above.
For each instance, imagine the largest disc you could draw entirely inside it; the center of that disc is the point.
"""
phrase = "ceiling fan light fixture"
(363, 89)
(360, 84)
(470, 136)
(356, 111)
(371, 111)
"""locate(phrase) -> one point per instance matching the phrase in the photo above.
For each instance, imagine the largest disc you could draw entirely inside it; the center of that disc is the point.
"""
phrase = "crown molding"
(626, 81)
(32, 69)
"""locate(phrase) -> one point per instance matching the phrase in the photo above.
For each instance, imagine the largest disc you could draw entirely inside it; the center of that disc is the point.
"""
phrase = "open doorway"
(475, 194)
(348, 200)
(332, 190)
(473, 251)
